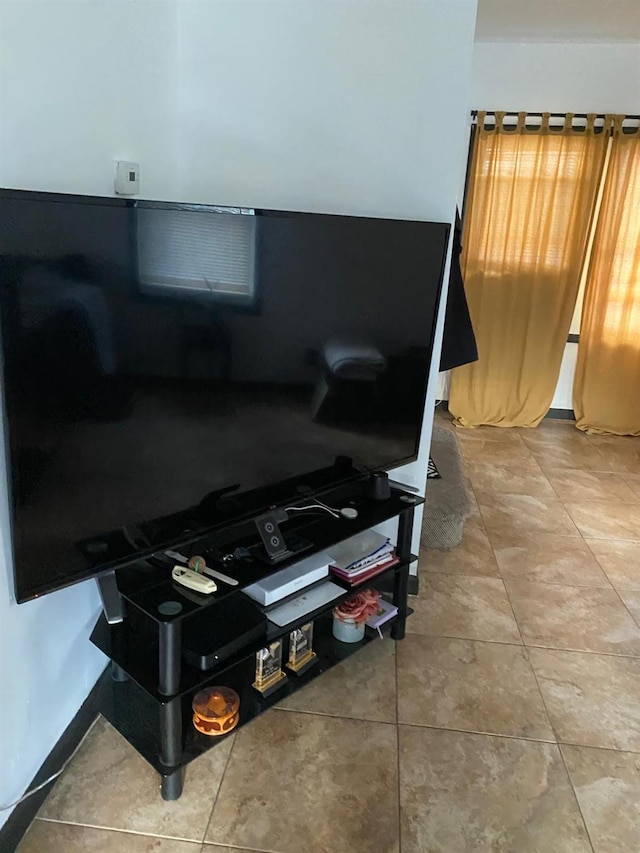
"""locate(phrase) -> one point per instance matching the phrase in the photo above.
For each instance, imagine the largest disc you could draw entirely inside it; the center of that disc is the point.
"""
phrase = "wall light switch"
(127, 180)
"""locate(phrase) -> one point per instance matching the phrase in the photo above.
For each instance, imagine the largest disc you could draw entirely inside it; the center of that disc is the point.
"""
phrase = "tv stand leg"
(171, 787)
(400, 596)
(401, 582)
(169, 667)
(171, 748)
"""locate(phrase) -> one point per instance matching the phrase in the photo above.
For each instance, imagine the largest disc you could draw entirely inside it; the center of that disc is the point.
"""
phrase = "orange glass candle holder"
(216, 710)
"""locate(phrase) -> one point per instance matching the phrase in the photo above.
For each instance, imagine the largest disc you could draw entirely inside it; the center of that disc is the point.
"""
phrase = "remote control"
(192, 580)
(224, 578)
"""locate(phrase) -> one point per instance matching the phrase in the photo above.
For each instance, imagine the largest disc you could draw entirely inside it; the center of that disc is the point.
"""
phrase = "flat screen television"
(156, 354)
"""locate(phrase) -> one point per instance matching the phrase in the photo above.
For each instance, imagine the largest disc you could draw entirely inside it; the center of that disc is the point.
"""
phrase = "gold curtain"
(529, 210)
(606, 393)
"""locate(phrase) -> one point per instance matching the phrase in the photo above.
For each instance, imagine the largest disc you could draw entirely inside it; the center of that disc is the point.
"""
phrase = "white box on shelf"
(290, 580)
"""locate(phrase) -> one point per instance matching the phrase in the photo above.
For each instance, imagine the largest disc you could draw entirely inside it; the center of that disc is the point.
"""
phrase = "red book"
(367, 573)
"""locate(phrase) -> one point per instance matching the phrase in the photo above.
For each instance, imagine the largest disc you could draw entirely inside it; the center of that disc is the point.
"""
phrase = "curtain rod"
(474, 114)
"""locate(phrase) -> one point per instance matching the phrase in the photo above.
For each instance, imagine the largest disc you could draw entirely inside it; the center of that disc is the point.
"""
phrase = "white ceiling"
(558, 20)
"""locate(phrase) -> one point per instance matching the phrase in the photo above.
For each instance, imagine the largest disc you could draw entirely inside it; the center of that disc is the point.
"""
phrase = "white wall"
(81, 84)
(556, 77)
(346, 106)
(84, 83)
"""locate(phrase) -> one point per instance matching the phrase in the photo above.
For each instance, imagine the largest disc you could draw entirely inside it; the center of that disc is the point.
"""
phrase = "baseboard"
(562, 414)
(22, 816)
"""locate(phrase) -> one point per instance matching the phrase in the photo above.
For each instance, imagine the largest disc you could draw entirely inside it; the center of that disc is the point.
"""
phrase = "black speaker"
(378, 487)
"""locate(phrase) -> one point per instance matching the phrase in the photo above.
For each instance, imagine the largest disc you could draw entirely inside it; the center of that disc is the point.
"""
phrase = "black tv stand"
(147, 696)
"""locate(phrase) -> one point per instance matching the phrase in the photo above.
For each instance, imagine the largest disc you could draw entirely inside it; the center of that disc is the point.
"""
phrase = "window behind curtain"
(197, 250)
(529, 212)
(533, 183)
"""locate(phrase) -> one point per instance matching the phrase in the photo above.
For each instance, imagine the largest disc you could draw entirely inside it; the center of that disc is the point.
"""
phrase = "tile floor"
(508, 720)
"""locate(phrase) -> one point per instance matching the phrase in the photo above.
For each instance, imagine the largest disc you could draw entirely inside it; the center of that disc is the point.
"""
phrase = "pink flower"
(358, 607)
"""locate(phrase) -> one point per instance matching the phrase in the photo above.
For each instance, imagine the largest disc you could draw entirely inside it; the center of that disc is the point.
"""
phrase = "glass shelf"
(134, 713)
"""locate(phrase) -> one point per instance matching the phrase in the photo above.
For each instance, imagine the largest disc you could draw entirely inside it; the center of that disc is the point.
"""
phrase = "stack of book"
(385, 612)
(362, 557)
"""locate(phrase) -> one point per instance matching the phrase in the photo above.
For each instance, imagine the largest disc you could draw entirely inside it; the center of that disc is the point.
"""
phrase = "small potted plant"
(349, 616)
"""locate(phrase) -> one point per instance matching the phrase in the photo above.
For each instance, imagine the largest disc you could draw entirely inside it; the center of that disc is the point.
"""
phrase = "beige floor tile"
(471, 608)
(592, 700)
(509, 478)
(109, 785)
(622, 460)
(219, 848)
(367, 680)
(620, 453)
(569, 617)
(47, 837)
(468, 792)
(475, 520)
(631, 601)
(547, 558)
(627, 443)
(607, 785)
(633, 481)
(620, 560)
(552, 429)
(474, 556)
(605, 519)
(571, 485)
(494, 451)
(469, 686)
(524, 514)
(496, 434)
(303, 782)
(574, 454)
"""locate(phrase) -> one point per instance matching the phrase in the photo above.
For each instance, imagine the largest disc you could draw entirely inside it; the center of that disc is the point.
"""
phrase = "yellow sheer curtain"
(528, 214)
(606, 393)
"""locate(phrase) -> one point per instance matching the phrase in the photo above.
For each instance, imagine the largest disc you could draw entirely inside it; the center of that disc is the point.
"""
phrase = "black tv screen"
(155, 353)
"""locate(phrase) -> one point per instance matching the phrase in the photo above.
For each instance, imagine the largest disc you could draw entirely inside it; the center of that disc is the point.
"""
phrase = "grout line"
(610, 538)
(469, 639)
(623, 603)
(544, 703)
(546, 741)
(613, 586)
(245, 849)
(525, 646)
(544, 706)
(635, 657)
(522, 579)
(118, 829)
(334, 716)
(575, 797)
(215, 799)
(557, 737)
(513, 612)
(601, 748)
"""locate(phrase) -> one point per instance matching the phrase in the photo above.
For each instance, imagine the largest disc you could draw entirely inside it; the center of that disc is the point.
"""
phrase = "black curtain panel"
(459, 341)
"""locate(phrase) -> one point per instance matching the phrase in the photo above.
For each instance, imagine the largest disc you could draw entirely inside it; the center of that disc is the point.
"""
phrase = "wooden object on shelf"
(215, 710)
